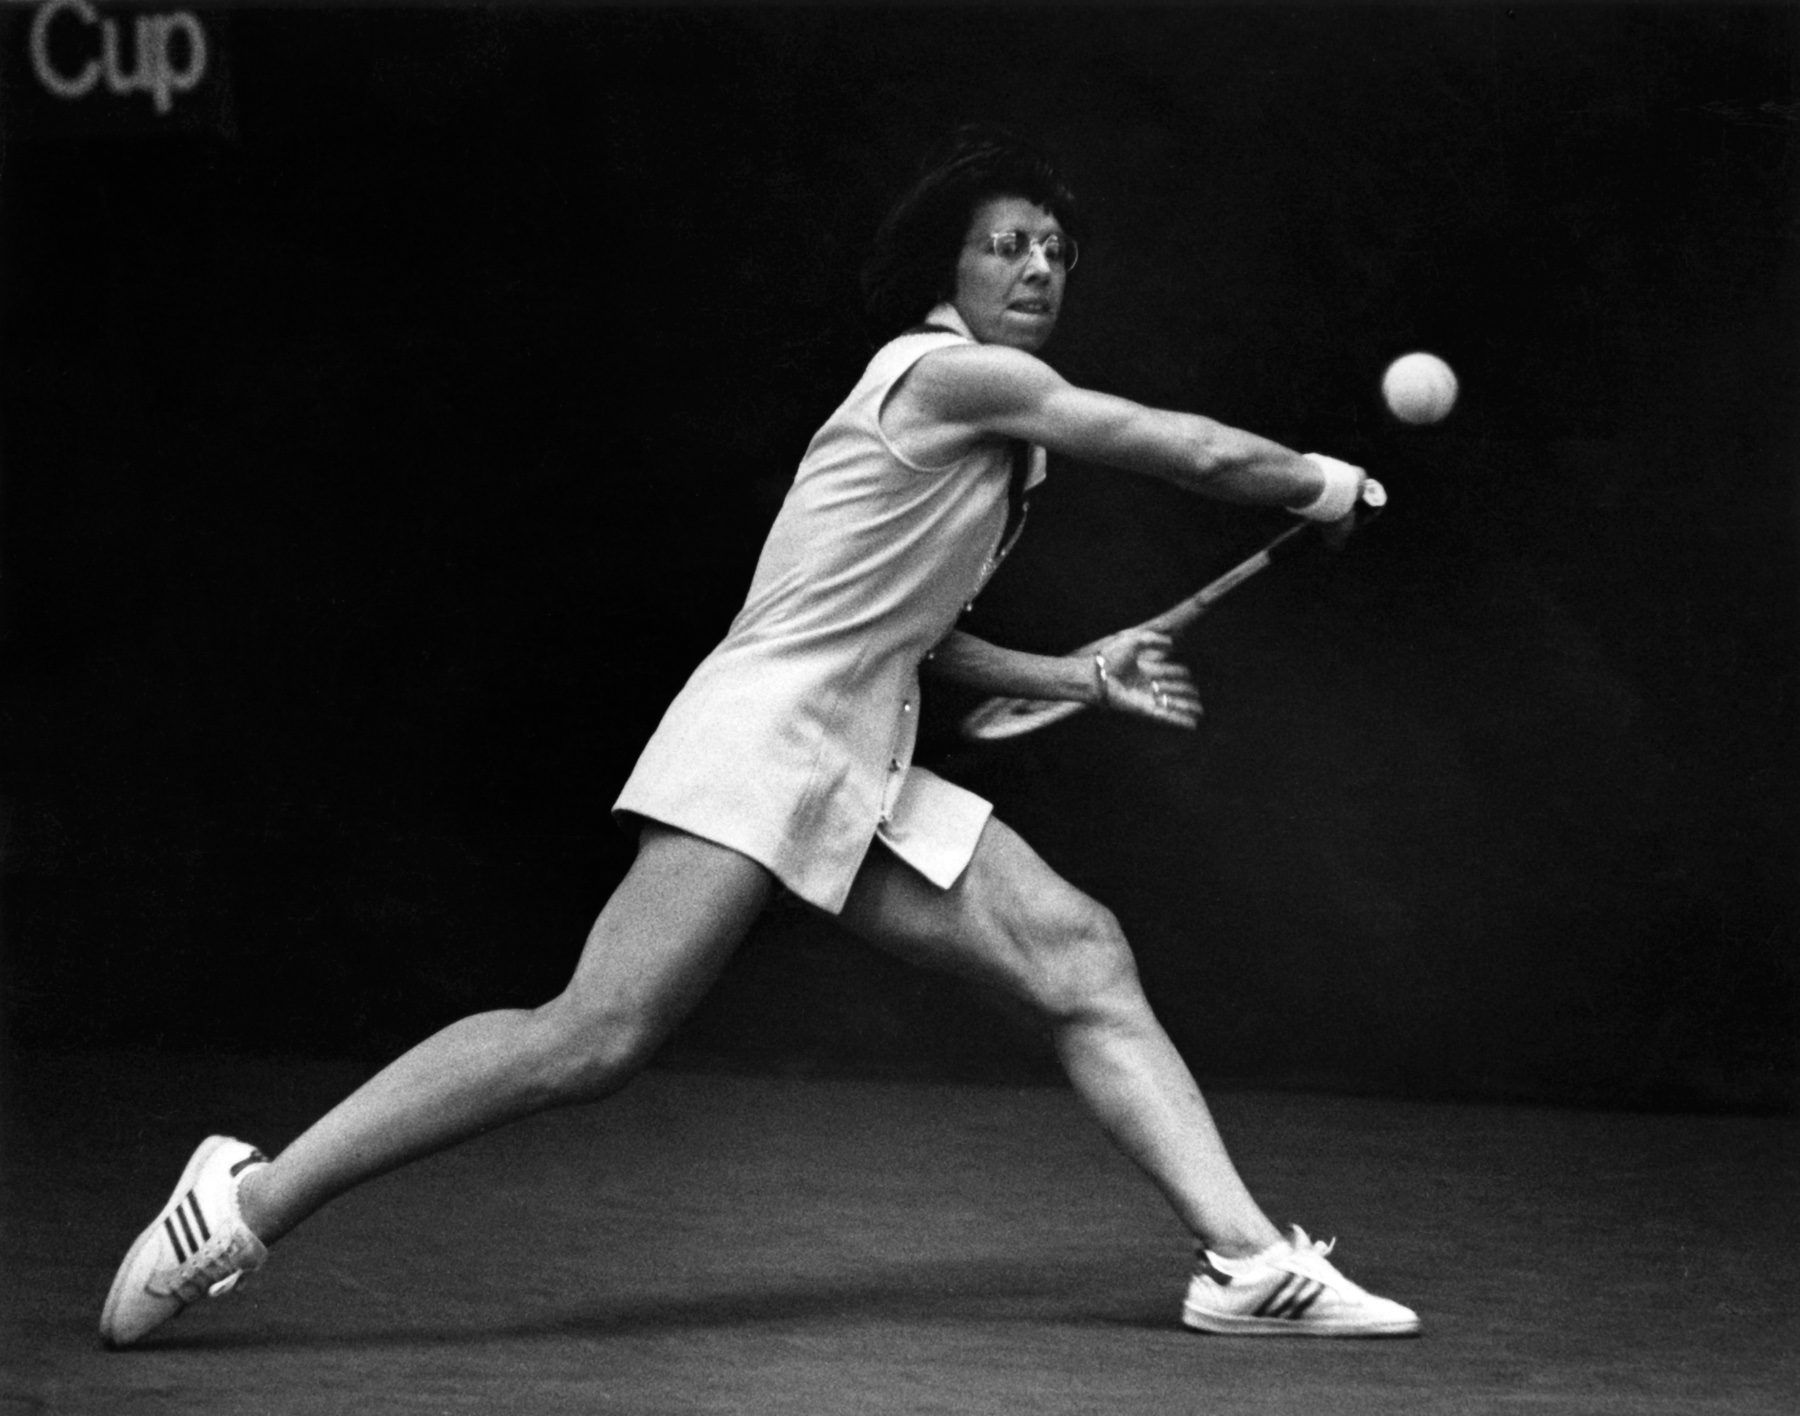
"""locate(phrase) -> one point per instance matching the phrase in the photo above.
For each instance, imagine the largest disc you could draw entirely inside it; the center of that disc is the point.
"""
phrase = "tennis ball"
(1419, 388)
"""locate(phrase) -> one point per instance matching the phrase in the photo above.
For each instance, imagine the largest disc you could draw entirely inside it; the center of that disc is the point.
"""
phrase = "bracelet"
(1337, 498)
(1101, 679)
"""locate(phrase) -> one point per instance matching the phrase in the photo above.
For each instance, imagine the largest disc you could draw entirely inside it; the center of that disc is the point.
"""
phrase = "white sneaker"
(198, 1247)
(1289, 1289)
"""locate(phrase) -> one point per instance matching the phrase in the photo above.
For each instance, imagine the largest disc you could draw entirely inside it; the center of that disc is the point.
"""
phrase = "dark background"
(391, 426)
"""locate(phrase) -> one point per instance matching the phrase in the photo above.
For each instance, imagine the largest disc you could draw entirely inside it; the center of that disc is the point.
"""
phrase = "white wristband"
(1343, 485)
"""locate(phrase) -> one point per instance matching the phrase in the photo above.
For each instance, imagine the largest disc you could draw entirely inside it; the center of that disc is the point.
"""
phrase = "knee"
(591, 1047)
(1083, 964)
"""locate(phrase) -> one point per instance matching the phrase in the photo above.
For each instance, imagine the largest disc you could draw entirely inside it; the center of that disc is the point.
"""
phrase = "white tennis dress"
(793, 740)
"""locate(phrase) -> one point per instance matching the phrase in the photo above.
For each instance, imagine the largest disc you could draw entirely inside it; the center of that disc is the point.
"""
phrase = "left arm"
(1134, 674)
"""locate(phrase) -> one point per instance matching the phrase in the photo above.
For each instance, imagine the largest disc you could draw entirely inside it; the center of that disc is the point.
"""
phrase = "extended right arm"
(986, 390)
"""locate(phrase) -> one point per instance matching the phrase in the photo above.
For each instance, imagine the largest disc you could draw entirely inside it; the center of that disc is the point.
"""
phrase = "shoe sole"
(1221, 1326)
(122, 1281)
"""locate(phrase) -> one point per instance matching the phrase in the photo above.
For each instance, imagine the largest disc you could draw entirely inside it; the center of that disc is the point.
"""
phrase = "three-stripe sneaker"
(198, 1247)
(1289, 1289)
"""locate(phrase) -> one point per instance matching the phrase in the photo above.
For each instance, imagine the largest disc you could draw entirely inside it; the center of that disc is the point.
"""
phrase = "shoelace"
(1309, 1260)
(200, 1274)
(1303, 1254)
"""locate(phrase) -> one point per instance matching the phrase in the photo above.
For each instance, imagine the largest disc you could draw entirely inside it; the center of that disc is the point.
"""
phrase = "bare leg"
(658, 944)
(1012, 922)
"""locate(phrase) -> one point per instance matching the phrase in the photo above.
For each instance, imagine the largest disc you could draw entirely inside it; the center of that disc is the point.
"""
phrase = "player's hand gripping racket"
(998, 718)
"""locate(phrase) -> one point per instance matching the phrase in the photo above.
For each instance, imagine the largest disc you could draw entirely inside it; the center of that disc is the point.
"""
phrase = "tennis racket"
(998, 718)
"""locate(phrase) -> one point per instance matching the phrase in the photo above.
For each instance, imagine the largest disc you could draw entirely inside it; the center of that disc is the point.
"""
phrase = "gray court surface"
(733, 1244)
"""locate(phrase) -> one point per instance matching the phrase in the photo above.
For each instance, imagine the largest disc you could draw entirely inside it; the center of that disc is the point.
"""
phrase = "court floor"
(737, 1244)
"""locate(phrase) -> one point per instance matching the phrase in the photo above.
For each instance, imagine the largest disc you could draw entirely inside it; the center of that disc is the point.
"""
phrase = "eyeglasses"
(1059, 250)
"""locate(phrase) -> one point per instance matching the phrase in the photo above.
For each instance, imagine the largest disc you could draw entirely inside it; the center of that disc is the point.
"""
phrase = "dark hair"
(912, 265)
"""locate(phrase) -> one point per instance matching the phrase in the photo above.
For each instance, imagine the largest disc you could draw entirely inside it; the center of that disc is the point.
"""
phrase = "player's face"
(1010, 301)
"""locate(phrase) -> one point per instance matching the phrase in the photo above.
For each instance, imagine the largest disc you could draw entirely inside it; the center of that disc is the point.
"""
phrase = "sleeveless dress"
(792, 742)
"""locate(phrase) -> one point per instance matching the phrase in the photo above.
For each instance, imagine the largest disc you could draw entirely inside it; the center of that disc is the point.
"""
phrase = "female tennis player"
(785, 762)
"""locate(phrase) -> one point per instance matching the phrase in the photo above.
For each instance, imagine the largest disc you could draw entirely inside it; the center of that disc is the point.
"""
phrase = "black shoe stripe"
(1292, 1299)
(174, 1239)
(1306, 1301)
(1271, 1307)
(193, 1203)
(186, 1228)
